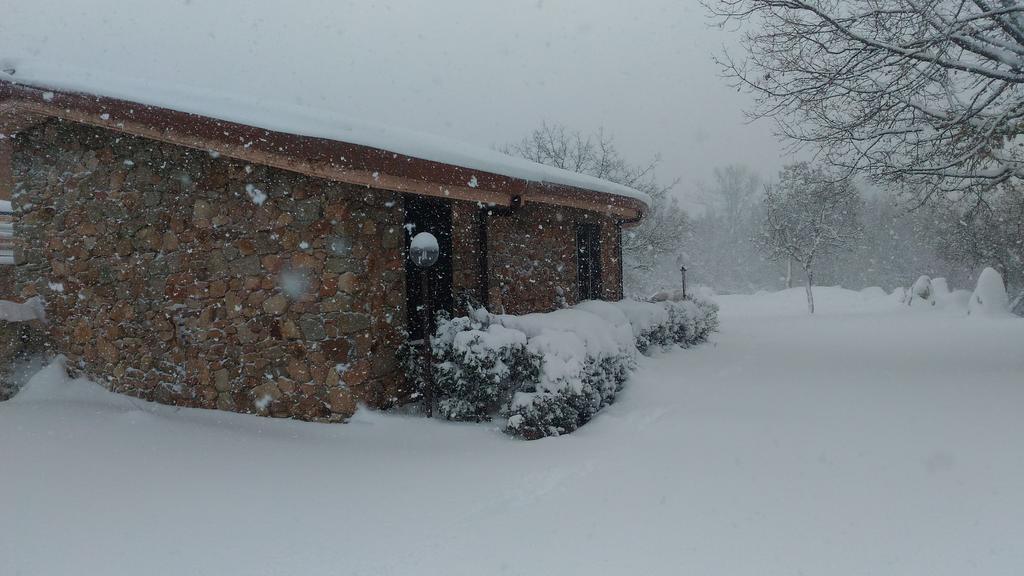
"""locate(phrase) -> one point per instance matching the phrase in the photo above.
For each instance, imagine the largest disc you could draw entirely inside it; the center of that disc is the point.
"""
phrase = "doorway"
(423, 214)
(588, 261)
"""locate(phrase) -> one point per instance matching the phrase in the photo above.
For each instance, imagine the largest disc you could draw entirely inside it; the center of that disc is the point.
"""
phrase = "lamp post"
(424, 251)
(682, 269)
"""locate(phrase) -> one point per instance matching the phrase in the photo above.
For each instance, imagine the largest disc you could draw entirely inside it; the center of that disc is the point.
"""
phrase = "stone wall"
(7, 282)
(532, 258)
(175, 275)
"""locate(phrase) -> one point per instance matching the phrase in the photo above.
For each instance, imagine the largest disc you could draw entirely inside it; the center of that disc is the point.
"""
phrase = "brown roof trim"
(22, 106)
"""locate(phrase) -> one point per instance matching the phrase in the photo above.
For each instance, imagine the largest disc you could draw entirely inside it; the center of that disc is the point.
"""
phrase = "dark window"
(588, 261)
(434, 216)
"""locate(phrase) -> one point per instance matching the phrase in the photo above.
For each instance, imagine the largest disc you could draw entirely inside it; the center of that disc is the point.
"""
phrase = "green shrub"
(550, 374)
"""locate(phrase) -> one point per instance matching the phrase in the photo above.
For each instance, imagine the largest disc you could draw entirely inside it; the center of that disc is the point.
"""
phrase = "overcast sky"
(482, 71)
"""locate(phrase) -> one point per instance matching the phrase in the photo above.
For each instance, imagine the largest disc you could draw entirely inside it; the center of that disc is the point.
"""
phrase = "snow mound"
(921, 292)
(52, 384)
(836, 300)
(640, 316)
(989, 297)
(598, 337)
(899, 294)
(27, 311)
(873, 292)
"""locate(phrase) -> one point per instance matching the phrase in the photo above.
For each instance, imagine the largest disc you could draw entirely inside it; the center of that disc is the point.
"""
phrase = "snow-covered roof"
(250, 110)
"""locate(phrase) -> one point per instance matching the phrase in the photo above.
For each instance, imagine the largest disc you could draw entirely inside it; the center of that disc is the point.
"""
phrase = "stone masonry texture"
(179, 276)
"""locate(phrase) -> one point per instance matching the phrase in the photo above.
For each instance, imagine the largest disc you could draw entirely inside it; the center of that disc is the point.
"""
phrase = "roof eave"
(22, 106)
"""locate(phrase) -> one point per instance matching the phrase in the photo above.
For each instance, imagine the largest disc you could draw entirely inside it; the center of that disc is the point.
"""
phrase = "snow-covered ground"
(872, 438)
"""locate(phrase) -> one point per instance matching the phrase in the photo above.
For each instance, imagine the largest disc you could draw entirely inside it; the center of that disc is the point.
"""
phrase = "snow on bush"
(551, 373)
(989, 297)
(921, 292)
(477, 367)
(693, 320)
(587, 358)
(649, 322)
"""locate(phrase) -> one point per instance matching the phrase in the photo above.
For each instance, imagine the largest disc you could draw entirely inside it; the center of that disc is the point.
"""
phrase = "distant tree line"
(898, 241)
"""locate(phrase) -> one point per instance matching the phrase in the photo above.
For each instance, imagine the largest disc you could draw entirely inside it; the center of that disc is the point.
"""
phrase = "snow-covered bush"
(588, 352)
(694, 320)
(922, 292)
(562, 403)
(989, 297)
(550, 373)
(650, 322)
(477, 368)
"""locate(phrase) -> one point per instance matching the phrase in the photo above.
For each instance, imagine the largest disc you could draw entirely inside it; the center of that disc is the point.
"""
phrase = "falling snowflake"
(255, 194)
(294, 283)
(263, 402)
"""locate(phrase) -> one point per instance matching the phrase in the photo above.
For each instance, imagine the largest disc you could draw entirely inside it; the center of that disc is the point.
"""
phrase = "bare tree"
(735, 188)
(663, 232)
(924, 95)
(989, 233)
(808, 214)
(722, 254)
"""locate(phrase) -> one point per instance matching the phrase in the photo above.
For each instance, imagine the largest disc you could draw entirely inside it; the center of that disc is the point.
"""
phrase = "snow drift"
(989, 297)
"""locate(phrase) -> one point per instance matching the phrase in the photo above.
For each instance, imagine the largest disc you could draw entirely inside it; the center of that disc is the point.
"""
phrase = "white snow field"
(874, 438)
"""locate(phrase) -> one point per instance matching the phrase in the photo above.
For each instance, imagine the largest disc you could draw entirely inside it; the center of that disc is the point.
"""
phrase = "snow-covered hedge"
(586, 360)
(477, 367)
(551, 373)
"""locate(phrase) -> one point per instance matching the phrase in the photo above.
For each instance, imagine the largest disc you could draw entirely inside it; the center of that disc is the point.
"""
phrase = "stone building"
(211, 263)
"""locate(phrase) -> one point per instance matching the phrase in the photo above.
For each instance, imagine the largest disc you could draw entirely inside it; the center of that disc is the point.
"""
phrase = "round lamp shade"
(424, 250)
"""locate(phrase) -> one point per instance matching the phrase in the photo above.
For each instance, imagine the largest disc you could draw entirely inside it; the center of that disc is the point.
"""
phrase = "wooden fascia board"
(610, 205)
(12, 120)
(238, 151)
